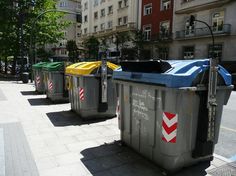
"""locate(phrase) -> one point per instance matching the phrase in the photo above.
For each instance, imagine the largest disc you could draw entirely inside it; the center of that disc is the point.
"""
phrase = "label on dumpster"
(169, 127)
(38, 80)
(50, 86)
(81, 94)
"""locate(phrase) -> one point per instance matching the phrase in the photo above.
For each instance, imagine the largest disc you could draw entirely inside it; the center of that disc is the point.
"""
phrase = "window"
(126, 3)
(110, 10)
(85, 30)
(218, 21)
(188, 52)
(102, 1)
(95, 28)
(85, 18)
(95, 3)
(95, 15)
(147, 33)
(102, 12)
(185, 1)
(119, 21)
(147, 9)
(102, 26)
(165, 4)
(109, 24)
(164, 53)
(120, 4)
(125, 20)
(164, 29)
(86, 6)
(218, 50)
(189, 29)
(63, 4)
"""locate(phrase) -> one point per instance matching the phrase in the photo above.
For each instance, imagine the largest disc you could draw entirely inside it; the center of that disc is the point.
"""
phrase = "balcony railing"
(202, 32)
(167, 36)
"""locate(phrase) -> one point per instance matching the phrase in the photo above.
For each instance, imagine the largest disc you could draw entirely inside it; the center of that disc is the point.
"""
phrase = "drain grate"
(225, 170)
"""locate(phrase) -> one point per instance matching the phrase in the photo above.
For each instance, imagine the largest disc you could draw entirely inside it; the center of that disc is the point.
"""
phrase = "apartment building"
(105, 18)
(73, 32)
(156, 24)
(194, 41)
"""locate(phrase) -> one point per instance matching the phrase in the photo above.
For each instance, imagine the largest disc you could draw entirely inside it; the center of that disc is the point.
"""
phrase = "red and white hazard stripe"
(169, 127)
(38, 80)
(81, 93)
(50, 86)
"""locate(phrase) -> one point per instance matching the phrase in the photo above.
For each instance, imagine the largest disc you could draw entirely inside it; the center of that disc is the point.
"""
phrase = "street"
(227, 139)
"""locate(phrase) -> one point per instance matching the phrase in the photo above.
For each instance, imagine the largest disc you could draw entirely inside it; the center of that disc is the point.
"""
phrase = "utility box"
(163, 111)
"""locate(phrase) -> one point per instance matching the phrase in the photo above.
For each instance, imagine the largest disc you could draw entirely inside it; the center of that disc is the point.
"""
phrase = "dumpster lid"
(54, 66)
(86, 68)
(40, 65)
(182, 73)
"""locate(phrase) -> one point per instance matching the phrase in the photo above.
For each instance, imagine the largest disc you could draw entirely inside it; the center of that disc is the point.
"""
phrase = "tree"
(92, 48)
(43, 54)
(73, 50)
(138, 42)
(16, 16)
(121, 40)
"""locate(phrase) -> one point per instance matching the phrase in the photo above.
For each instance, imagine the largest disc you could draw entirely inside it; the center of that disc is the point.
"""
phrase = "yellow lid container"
(69, 69)
(86, 68)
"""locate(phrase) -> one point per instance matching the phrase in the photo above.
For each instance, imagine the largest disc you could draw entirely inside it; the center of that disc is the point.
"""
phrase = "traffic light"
(191, 20)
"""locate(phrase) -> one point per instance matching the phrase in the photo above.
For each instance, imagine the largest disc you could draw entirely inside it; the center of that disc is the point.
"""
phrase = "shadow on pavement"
(39, 101)
(29, 93)
(114, 160)
(68, 118)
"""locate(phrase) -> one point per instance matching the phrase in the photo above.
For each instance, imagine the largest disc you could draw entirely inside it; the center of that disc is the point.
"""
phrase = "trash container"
(71, 80)
(25, 77)
(38, 76)
(55, 81)
(163, 110)
(84, 80)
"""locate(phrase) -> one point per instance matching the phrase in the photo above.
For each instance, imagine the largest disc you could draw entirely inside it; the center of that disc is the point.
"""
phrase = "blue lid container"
(176, 73)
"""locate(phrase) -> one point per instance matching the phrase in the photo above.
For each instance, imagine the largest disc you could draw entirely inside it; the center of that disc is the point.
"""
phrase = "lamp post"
(212, 86)
(32, 44)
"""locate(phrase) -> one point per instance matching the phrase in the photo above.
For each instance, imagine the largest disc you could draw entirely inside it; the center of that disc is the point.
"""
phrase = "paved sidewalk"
(41, 138)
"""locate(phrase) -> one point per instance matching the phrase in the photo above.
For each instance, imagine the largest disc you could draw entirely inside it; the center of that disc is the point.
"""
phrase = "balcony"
(125, 27)
(167, 36)
(203, 32)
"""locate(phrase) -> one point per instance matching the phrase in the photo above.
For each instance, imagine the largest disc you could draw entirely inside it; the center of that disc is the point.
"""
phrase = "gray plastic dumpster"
(163, 113)
(55, 82)
(39, 77)
(84, 81)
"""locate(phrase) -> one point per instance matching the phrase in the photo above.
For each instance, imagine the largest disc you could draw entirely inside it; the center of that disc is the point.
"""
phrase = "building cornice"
(205, 6)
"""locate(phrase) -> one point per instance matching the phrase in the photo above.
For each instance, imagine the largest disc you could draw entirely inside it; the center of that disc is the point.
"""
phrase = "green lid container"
(39, 65)
(54, 66)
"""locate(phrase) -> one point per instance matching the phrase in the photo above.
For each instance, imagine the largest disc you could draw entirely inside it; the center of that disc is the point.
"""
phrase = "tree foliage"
(92, 48)
(48, 29)
(73, 50)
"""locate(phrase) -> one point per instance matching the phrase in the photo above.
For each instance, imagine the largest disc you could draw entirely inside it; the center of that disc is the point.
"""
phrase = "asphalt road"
(226, 146)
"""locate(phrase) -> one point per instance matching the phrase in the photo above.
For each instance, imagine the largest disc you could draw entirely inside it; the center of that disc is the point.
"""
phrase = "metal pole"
(212, 87)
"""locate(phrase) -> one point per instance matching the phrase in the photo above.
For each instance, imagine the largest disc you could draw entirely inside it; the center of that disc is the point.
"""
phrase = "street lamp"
(32, 44)
(212, 86)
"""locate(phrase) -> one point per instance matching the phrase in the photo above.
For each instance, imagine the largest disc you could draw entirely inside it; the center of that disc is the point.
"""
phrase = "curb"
(222, 158)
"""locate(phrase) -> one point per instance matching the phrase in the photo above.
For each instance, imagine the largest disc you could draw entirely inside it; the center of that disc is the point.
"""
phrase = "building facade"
(156, 24)
(73, 32)
(194, 41)
(103, 19)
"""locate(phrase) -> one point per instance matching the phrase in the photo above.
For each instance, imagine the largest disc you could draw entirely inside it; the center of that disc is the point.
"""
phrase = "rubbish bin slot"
(136, 76)
(157, 66)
